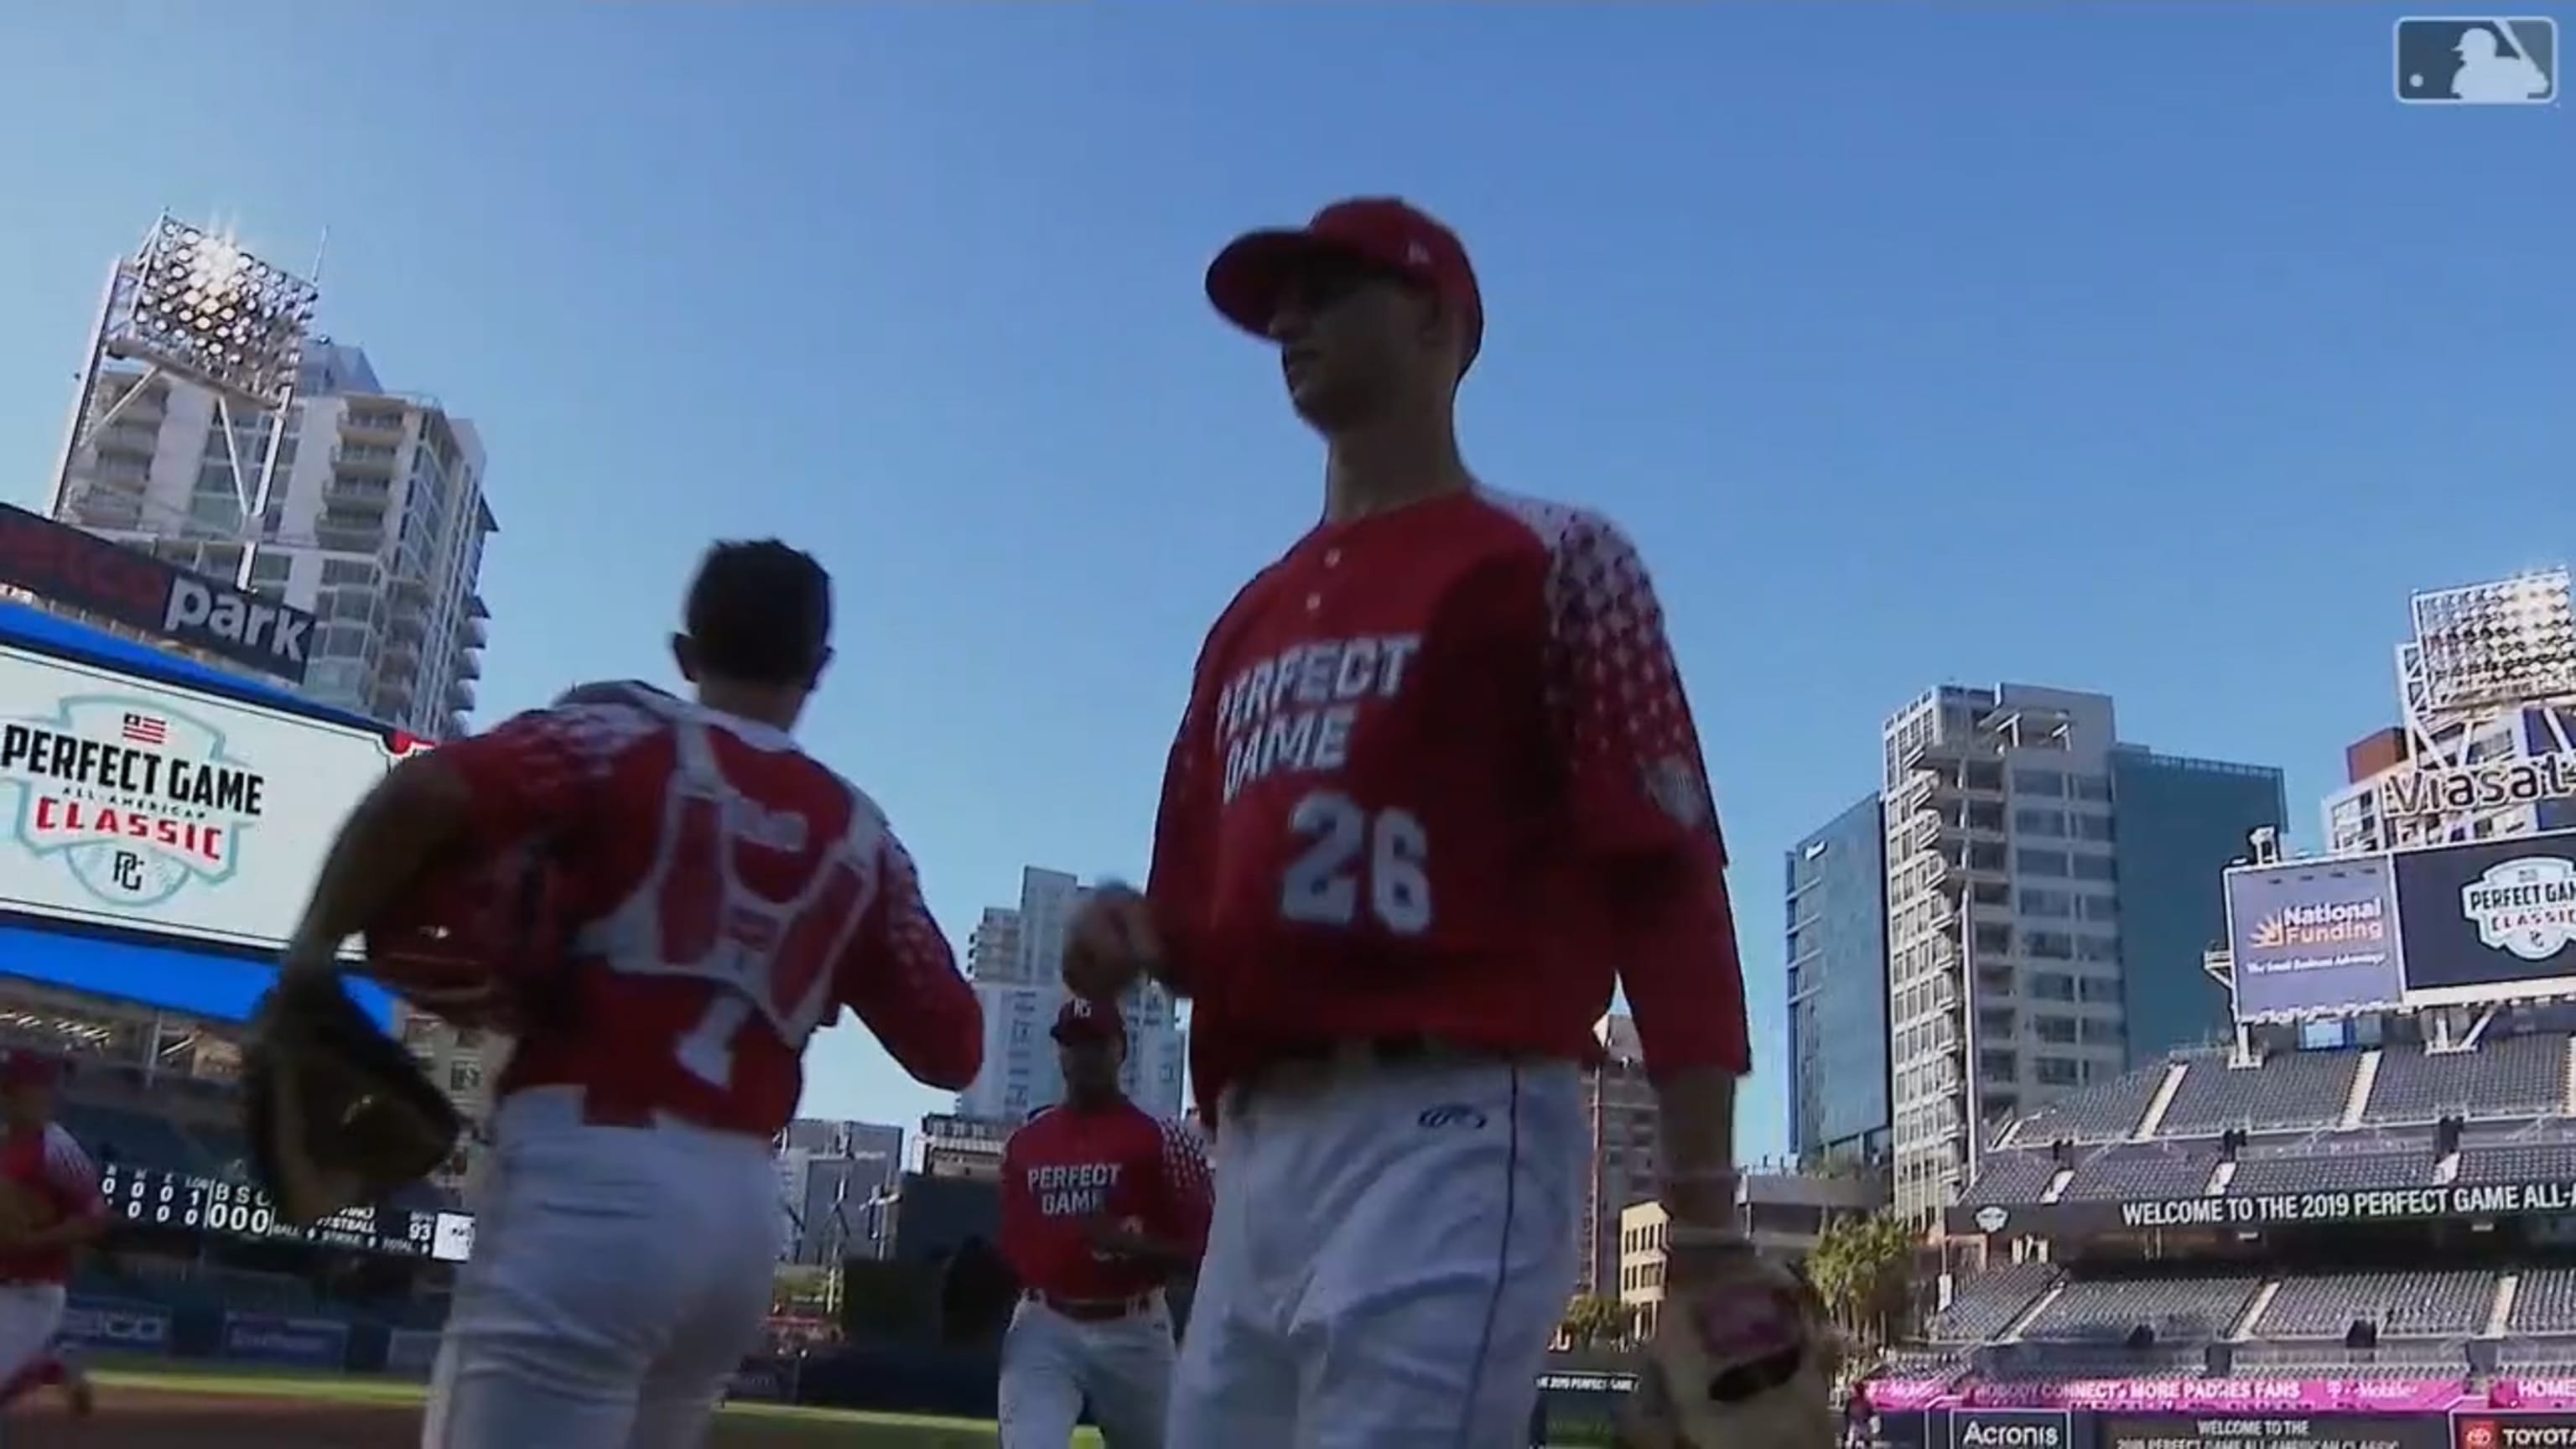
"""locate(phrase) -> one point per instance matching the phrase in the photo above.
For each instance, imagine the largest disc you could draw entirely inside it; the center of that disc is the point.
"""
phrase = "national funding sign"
(2270, 1210)
(146, 807)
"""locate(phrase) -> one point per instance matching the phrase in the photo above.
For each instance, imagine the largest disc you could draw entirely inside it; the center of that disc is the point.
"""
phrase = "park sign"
(2249, 1212)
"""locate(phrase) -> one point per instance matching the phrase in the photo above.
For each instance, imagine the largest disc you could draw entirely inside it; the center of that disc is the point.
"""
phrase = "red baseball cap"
(1083, 1019)
(1247, 277)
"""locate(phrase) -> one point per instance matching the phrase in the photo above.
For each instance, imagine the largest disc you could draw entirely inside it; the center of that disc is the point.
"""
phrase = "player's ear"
(684, 653)
(822, 661)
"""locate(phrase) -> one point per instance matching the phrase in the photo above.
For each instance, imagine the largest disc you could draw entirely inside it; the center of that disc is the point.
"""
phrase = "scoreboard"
(158, 1197)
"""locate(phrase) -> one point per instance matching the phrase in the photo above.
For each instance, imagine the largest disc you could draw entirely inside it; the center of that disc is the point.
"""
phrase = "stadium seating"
(2352, 1171)
(2174, 1309)
(2010, 1177)
(2515, 1076)
(2291, 1090)
(2540, 1161)
(2400, 1305)
(114, 1135)
(2130, 1173)
(2106, 1113)
(1983, 1305)
(2544, 1301)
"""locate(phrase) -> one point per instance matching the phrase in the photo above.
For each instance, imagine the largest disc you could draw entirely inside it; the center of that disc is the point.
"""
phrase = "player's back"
(725, 888)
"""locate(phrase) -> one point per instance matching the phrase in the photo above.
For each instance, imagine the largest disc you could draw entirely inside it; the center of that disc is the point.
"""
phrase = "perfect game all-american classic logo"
(2525, 906)
(136, 801)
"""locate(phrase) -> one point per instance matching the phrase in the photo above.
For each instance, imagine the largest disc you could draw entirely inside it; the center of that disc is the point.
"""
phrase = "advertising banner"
(2010, 1429)
(2489, 919)
(2487, 1430)
(57, 562)
(125, 1328)
(2313, 936)
(299, 1342)
(2268, 1210)
(147, 807)
(2271, 1431)
(1897, 1396)
(2243, 1395)
(412, 1352)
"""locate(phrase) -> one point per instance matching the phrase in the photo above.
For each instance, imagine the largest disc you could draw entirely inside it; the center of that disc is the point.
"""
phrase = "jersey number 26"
(1351, 853)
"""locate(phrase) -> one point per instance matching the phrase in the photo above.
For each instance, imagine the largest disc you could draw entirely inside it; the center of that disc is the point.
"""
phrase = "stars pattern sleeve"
(1637, 797)
(542, 771)
(901, 977)
(1189, 1187)
(72, 1178)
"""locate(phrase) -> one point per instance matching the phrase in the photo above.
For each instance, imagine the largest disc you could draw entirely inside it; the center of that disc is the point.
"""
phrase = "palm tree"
(1861, 1267)
(1593, 1319)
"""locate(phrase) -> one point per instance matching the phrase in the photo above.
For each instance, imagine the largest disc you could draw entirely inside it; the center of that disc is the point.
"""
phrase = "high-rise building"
(830, 1174)
(1837, 954)
(1016, 957)
(374, 518)
(2010, 876)
(2181, 823)
(1619, 1106)
(2487, 747)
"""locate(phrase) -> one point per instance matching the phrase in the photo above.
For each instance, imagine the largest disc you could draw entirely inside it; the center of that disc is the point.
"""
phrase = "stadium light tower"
(2501, 653)
(191, 304)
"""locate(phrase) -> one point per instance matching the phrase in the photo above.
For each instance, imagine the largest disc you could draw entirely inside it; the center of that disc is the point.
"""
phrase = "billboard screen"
(2314, 936)
(58, 562)
(160, 823)
(2488, 920)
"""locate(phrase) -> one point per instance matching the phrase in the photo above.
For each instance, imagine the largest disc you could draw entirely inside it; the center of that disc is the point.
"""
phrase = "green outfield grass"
(742, 1424)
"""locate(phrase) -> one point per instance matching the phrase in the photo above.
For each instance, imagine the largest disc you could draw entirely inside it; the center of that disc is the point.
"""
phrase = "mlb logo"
(2477, 60)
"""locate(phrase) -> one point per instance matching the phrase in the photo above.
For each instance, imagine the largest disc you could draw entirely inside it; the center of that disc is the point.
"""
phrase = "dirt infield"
(131, 1418)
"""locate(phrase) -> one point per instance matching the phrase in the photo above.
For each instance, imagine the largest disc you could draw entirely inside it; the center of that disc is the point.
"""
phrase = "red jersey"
(1438, 778)
(1068, 1172)
(731, 895)
(51, 1167)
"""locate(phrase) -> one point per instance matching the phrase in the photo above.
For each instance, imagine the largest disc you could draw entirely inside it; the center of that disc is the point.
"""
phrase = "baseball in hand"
(1110, 943)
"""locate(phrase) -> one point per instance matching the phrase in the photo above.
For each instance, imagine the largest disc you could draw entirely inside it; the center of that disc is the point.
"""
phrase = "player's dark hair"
(760, 613)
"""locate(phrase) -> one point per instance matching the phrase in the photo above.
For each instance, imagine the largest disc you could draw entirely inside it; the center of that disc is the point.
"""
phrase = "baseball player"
(731, 895)
(53, 1210)
(1436, 782)
(1101, 1204)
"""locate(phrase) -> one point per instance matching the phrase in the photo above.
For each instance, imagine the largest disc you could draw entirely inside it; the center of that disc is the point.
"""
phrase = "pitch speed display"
(161, 1198)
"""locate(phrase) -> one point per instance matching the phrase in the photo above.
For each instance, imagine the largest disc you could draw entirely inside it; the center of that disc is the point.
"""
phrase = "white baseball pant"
(620, 1276)
(1052, 1364)
(1391, 1253)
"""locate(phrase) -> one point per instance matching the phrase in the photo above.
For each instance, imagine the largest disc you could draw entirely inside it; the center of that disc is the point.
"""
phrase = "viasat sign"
(141, 806)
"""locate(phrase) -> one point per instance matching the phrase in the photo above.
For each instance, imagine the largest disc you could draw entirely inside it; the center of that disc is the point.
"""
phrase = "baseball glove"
(1742, 1358)
(336, 1112)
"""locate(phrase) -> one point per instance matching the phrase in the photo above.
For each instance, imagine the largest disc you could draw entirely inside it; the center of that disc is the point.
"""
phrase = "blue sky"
(2145, 348)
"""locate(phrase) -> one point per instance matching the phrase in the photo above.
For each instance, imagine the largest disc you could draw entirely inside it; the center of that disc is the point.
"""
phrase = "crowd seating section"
(2291, 1090)
(2124, 1174)
(2174, 1309)
(2514, 1076)
(1983, 1305)
(2518, 1162)
(2104, 1113)
(2011, 1177)
(2358, 1171)
(2544, 1301)
(2399, 1304)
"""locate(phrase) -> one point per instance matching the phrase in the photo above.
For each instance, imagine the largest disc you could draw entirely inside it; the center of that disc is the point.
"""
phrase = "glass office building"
(1837, 954)
(2181, 822)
